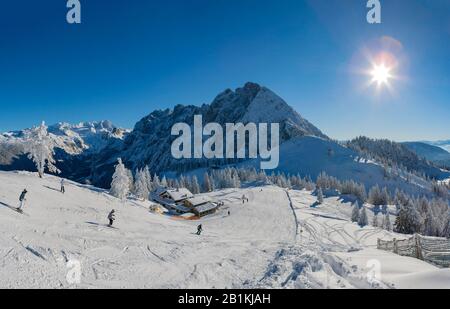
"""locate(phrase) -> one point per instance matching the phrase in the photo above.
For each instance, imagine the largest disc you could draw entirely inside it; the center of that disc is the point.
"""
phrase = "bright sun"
(381, 74)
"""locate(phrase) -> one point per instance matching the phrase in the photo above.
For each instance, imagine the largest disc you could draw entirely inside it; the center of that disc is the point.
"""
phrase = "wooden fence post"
(418, 247)
(395, 246)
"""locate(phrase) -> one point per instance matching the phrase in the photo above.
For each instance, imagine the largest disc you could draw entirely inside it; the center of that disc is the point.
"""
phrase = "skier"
(111, 217)
(243, 199)
(63, 189)
(229, 213)
(199, 229)
(22, 199)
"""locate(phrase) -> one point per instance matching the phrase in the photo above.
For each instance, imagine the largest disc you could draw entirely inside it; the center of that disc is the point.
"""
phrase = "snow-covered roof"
(205, 207)
(175, 194)
(180, 194)
(179, 208)
(198, 200)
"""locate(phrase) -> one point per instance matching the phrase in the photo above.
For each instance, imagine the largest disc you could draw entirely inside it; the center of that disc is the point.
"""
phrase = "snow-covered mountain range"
(74, 145)
(88, 152)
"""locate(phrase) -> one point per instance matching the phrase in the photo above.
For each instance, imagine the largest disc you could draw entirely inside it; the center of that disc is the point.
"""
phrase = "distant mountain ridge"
(74, 145)
(432, 153)
(445, 144)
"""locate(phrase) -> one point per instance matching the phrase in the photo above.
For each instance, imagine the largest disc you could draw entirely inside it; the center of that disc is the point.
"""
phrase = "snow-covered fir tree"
(355, 212)
(131, 178)
(207, 184)
(164, 183)
(387, 222)
(40, 149)
(375, 222)
(148, 179)
(363, 219)
(319, 196)
(156, 182)
(195, 186)
(120, 185)
(140, 185)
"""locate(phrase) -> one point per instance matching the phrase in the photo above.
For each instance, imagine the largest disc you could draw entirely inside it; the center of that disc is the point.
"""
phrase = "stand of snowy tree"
(394, 157)
(422, 216)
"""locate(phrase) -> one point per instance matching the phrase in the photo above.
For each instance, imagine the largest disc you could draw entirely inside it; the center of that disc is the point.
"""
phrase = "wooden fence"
(430, 249)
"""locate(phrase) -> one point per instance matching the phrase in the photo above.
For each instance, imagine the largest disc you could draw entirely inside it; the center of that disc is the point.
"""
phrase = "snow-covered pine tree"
(164, 183)
(375, 196)
(156, 182)
(363, 219)
(355, 212)
(182, 181)
(319, 196)
(409, 220)
(207, 185)
(195, 185)
(375, 220)
(387, 222)
(148, 179)
(39, 147)
(236, 182)
(130, 176)
(140, 186)
(120, 185)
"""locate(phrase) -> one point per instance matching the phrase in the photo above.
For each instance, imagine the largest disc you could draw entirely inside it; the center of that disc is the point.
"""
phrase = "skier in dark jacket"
(111, 217)
(22, 199)
(63, 187)
(199, 229)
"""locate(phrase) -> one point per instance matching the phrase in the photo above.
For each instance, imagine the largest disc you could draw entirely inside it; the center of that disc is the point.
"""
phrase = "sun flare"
(381, 74)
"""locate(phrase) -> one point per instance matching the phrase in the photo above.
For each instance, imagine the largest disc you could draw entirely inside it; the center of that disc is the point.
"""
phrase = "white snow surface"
(277, 240)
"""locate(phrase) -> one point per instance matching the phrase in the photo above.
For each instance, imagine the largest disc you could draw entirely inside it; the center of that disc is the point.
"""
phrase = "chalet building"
(172, 199)
(182, 201)
(201, 206)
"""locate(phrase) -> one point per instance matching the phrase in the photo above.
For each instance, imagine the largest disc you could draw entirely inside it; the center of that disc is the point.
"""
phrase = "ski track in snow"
(276, 240)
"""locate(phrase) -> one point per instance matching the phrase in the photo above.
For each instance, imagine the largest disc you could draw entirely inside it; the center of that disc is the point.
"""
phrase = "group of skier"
(111, 216)
(22, 200)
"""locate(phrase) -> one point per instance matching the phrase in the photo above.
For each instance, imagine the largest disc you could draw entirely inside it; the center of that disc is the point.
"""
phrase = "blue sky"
(128, 58)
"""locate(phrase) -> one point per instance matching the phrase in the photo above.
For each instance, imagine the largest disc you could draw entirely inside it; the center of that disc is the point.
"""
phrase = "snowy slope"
(332, 252)
(309, 156)
(147, 251)
(260, 245)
